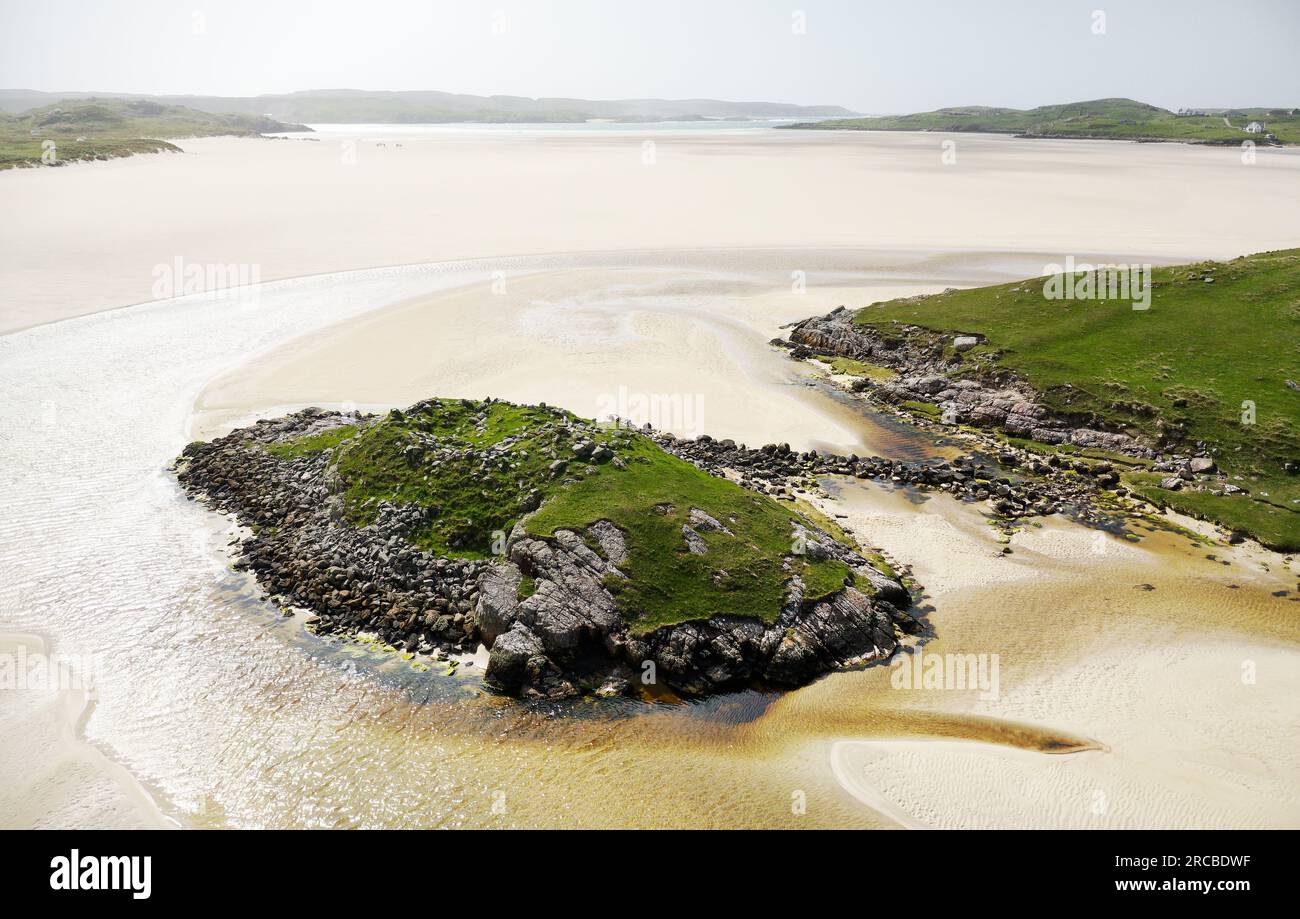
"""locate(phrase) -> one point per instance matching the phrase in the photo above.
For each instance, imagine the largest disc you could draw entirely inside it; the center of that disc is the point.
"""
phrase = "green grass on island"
(315, 443)
(483, 467)
(100, 129)
(1273, 524)
(847, 366)
(1115, 119)
(1214, 360)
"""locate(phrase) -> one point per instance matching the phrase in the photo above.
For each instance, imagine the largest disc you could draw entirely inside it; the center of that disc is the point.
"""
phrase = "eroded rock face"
(572, 621)
(845, 630)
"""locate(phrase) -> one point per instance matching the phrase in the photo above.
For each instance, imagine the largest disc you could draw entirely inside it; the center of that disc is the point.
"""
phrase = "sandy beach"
(295, 207)
(1152, 650)
(684, 349)
(581, 275)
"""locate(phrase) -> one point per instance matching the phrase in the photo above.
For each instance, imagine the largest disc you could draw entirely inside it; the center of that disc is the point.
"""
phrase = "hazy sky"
(903, 55)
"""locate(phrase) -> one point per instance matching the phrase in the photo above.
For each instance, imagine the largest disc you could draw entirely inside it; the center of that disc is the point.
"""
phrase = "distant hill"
(1110, 119)
(107, 128)
(353, 106)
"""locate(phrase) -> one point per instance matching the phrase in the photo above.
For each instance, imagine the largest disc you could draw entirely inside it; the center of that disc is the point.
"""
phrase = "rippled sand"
(1160, 679)
(52, 776)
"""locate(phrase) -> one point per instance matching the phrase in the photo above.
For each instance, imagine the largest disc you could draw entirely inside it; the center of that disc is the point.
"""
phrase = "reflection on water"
(890, 436)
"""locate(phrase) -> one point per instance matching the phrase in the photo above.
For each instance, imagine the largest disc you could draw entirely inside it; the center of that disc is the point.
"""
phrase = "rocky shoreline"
(928, 369)
(543, 606)
(777, 470)
(546, 607)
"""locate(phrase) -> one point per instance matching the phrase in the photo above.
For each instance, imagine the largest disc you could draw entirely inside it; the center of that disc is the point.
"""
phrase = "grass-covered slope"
(1217, 335)
(1119, 119)
(483, 467)
(107, 128)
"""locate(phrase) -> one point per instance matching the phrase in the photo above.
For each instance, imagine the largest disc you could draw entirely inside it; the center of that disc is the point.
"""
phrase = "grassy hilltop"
(485, 466)
(101, 129)
(1111, 119)
(1217, 335)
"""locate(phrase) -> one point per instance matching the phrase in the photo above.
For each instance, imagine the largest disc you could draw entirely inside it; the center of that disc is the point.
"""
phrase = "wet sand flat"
(684, 349)
(1183, 671)
(86, 237)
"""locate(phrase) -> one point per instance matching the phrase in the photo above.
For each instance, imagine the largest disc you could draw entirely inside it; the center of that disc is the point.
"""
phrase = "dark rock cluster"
(568, 636)
(1044, 485)
(928, 371)
(305, 554)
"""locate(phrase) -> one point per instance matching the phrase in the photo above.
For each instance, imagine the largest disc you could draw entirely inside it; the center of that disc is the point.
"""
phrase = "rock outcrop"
(545, 608)
(926, 373)
(569, 628)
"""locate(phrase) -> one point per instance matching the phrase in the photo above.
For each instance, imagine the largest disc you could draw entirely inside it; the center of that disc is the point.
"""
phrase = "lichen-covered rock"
(517, 659)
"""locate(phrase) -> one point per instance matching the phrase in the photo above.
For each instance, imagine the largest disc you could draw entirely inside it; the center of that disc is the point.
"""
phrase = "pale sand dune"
(89, 236)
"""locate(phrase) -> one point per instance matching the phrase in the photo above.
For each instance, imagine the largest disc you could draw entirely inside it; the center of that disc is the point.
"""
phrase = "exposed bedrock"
(925, 370)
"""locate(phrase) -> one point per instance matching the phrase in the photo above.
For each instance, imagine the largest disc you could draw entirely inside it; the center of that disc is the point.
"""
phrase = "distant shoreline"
(1099, 119)
(813, 126)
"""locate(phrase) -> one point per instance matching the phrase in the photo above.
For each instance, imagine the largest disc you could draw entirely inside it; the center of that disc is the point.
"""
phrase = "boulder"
(498, 600)
(517, 659)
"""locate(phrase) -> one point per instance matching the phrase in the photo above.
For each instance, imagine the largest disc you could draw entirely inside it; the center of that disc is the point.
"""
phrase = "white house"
(1255, 127)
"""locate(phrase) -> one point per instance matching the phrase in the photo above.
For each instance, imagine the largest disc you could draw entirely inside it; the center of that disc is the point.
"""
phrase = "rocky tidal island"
(587, 558)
